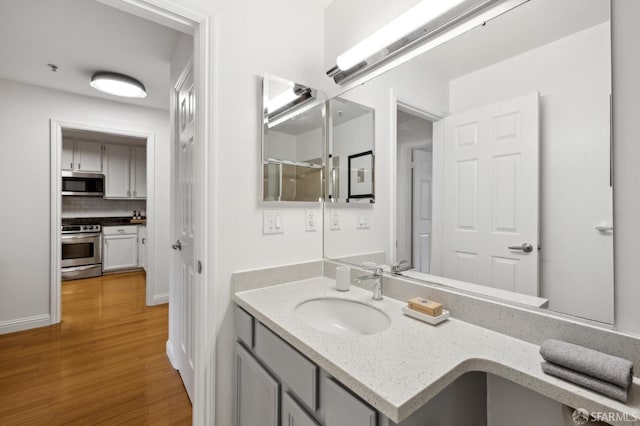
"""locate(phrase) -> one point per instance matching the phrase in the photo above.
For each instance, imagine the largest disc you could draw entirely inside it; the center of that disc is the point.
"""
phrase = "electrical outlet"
(363, 220)
(334, 220)
(310, 219)
(271, 222)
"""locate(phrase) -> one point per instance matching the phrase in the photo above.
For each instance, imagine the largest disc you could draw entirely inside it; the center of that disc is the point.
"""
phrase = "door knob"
(177, 245)
(525, 247)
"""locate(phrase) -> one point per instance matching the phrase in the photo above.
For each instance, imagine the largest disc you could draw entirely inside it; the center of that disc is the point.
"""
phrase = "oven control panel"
(74, 229)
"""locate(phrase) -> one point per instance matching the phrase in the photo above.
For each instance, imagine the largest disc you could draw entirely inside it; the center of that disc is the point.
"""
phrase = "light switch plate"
(310, 220)
(363, 220)
(334, 220)
(271, 222)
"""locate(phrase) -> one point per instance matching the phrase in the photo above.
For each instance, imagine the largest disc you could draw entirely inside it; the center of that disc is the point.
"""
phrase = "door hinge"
(199, 267)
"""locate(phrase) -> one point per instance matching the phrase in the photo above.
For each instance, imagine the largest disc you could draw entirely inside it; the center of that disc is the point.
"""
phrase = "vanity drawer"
(244, 326)
(342, 408)
(293, 368)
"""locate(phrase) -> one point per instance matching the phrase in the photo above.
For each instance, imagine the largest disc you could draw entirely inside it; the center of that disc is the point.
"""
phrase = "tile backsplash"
(99, 207)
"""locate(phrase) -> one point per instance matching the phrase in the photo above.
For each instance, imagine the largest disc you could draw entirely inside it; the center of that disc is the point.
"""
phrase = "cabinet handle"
(128, 193)
(71, 166)
(78, 166)
(144, 241)
(134, 192)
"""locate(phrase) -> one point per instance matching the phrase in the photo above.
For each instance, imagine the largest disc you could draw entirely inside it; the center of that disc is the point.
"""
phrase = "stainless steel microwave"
(82, 184)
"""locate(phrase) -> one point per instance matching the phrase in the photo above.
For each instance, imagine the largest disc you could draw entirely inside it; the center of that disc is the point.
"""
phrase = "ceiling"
(82, 37)
(531, 25)
(411, 128)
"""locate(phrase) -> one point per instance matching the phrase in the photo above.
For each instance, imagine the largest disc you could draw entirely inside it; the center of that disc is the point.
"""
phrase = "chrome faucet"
(376, 277)
(398, 267)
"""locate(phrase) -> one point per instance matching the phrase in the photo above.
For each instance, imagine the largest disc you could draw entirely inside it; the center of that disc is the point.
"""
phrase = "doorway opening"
(414, 134)
(198, 24)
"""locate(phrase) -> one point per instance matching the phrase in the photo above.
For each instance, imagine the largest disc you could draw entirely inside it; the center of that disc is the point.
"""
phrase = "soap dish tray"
(426, 318)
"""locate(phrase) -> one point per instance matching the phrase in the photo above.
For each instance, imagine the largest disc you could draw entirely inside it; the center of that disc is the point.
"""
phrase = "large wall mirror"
(493, 163)
(293, 141)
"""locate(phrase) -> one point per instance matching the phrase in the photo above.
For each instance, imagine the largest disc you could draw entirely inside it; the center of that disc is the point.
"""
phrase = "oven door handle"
(79, 268)
(77, 237)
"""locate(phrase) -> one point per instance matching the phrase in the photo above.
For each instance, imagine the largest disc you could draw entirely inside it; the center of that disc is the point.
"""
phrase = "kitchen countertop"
(399, 370)
(103, 221)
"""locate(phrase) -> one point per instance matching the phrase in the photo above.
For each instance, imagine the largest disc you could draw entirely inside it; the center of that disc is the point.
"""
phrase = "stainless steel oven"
(81, 251)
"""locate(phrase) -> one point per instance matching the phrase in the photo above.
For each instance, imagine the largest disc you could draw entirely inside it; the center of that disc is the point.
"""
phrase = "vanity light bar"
(437, 25)
(418, 16)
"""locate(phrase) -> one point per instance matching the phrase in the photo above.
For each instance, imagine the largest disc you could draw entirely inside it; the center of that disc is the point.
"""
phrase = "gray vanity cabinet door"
(342, 408)
(257, 393)
(293, 414)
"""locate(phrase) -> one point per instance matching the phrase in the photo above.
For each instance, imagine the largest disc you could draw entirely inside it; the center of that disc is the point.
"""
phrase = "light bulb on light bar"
(118, 85)
(416, 17)
(282, 99)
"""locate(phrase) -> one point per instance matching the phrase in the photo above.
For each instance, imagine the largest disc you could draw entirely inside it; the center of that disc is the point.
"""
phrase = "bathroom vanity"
(285, 381)
(394, 376)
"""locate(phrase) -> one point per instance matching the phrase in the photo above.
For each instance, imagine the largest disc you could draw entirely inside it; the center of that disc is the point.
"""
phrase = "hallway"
(104, 364)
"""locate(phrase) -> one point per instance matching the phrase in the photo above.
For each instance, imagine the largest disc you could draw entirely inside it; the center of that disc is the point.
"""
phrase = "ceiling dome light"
(118, 84)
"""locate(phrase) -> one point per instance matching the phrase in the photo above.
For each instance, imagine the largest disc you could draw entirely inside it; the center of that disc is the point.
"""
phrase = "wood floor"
(104, 364)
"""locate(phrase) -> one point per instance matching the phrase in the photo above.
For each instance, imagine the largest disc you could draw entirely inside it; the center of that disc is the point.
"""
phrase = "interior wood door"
(186, 236)
(422, 210)
(490, 195)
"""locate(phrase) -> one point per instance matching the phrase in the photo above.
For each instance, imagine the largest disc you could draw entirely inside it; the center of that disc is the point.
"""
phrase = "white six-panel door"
(490, 162)
(185, 170)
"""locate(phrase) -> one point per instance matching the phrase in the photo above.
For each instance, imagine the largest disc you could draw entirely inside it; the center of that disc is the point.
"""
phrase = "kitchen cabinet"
(67, 154)
(139, 172)
(81, 156)
(125, 171)
(258, 393)
(142, 247)
(120, 249)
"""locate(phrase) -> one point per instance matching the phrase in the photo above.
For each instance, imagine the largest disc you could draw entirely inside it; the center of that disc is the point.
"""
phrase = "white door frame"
(419, 108)
(198, 21)
(56, 203)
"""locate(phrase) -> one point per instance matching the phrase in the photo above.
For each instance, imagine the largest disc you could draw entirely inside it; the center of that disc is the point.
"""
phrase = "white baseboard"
(170, 355)
(159, 299)
(27, 323)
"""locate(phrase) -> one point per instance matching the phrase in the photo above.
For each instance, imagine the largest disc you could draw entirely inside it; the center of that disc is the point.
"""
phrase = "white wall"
(25, 112)
(626, 152)
(573, 76)
(252, 38)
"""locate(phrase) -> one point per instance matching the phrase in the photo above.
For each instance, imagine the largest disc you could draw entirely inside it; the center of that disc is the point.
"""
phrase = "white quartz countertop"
(399, 370)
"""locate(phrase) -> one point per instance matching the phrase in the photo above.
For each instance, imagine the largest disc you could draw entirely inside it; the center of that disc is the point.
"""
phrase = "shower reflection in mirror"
(293, 134)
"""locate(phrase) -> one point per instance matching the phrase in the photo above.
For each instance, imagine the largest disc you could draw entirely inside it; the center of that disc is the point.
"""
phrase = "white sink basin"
(341, 316)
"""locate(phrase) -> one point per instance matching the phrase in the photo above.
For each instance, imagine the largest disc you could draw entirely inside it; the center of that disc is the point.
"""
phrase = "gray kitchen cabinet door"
(293, 414)
(257, 393)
